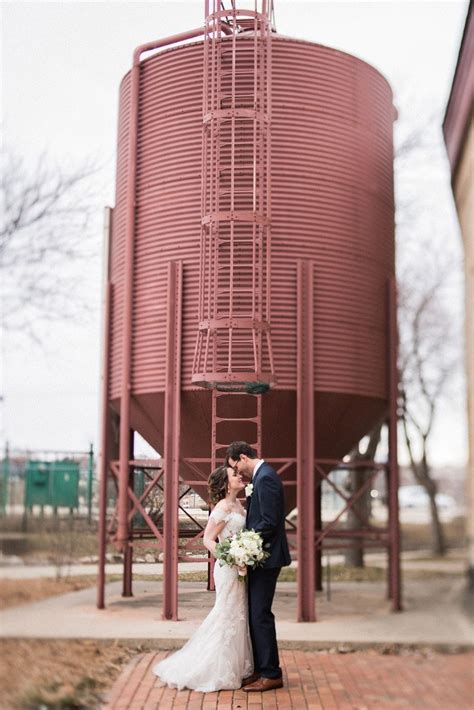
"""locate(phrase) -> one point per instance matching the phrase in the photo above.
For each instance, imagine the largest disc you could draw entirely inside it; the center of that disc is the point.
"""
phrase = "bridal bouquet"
(244, 549)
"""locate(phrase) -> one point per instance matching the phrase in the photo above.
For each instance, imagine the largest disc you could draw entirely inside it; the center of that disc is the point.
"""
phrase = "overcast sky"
(62, 64)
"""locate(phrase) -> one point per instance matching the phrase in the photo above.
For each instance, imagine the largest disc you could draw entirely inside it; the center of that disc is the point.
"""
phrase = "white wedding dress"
(219, 653)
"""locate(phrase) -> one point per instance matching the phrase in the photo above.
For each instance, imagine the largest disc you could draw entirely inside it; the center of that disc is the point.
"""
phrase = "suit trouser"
(261, 590)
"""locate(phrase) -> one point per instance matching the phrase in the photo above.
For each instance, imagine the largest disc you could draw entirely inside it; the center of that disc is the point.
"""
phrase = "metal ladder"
(233, 346)
(252, 415)
(221, 402)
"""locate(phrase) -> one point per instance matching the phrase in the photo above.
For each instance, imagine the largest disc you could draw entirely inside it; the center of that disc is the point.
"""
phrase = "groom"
(266, 515)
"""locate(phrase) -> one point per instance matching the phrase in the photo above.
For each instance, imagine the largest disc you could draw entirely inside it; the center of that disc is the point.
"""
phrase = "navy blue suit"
(266, 515)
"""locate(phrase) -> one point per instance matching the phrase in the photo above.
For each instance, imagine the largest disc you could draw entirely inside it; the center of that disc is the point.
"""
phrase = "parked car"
(417, 497)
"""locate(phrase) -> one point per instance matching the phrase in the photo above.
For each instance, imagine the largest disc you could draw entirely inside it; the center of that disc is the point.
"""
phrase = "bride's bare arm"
(210, 534)
(215, 525)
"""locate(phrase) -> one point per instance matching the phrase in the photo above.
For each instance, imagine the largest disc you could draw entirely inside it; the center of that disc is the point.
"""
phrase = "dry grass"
(14, 592)
(54, 540)
(419, 537)
(38, 673)
(340, 573)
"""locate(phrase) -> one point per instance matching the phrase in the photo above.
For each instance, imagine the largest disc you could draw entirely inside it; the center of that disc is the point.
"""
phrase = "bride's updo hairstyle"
(217, 484)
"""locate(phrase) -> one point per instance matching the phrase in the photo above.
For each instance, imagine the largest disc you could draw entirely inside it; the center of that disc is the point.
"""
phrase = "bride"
(219, 654)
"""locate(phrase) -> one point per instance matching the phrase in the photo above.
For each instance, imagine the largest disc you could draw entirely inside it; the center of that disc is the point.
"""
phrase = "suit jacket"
(266, 515)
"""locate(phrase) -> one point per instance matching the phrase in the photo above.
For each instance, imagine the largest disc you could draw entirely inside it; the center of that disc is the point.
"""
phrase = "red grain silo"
(332, 254)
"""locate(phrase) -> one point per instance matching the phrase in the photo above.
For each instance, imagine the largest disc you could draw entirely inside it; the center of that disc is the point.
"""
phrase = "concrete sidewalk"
(357, 615)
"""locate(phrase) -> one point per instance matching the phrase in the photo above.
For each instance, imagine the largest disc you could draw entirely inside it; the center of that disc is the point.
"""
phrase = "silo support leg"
(104, 465)
(106, 437)
(393, 521)
(128, 548)
(389, 548)
(127, 571)
(305, 444)
(318, 553)
(172, 442)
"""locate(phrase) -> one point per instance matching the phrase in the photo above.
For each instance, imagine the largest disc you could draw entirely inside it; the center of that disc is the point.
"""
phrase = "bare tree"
(429, 348)
(429, 360)
(429, 357)
(429, 323)
(46, 224)
(359, 514)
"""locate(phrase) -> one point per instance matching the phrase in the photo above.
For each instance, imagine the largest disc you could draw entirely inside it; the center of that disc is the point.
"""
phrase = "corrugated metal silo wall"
(332, 187)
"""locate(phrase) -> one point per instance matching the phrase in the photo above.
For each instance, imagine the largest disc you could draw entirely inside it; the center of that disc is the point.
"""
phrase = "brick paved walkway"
(364, 680)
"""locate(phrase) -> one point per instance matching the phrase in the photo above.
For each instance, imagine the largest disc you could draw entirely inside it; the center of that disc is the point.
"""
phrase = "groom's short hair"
(237, 448)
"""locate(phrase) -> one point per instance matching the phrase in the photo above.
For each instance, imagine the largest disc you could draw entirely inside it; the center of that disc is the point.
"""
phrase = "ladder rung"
(217, 393)
(224, 340)
(220, 291)
(240, 166)
(240, 120)
(224, 49)
(238, 240)
(224, 446)
(237, 419)
(236, 191)
(234, 336)
(237, 73)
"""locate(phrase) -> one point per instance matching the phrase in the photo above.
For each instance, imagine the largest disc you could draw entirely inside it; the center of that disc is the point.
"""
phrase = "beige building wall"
(463, 188)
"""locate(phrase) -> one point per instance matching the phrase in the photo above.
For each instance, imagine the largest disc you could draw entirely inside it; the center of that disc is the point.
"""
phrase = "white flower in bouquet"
(245, 549)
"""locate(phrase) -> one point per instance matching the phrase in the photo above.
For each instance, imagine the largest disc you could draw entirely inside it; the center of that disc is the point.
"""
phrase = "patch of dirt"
(39, 673)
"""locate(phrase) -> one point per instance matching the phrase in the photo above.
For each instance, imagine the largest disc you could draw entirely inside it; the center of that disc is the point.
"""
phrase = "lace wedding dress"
(219, 653)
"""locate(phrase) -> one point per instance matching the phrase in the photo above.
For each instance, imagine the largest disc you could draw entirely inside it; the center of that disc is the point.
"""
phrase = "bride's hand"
(242, 570)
